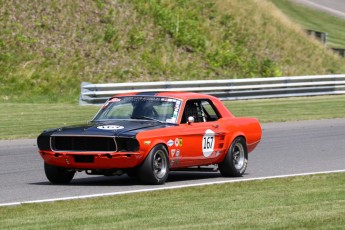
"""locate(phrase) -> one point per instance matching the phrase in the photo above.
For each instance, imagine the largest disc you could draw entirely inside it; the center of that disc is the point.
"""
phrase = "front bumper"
(90, 160)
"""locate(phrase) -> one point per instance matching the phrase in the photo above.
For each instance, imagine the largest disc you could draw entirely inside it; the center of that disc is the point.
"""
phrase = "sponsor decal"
(177, 142)
(177, 153)
(147, 142)
(115, 99)
(180, 142)
(110, 127)
(170, 143)
(173, 152)
(171, 120)
(208, 143)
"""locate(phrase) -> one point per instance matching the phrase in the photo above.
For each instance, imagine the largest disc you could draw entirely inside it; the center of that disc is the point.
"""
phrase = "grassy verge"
(293, 203)
(20, 120)
(291, 109)
(315, 20)
(48, 48)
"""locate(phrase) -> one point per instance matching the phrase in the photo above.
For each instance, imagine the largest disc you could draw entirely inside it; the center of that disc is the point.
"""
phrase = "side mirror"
(191, 120)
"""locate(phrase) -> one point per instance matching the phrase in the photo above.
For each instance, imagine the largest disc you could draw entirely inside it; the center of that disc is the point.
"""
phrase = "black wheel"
(236, 160)
(155, 168)
(58, 175)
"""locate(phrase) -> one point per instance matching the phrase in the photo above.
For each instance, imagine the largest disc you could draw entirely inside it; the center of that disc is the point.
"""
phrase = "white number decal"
(208, 143)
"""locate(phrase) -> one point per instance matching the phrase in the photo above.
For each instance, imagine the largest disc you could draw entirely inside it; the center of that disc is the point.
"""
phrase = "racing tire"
(155, 168)
(236, 160)
(58, 175)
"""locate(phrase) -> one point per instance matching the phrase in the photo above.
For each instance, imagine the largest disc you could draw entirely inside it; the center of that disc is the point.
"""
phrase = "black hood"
(124, 128)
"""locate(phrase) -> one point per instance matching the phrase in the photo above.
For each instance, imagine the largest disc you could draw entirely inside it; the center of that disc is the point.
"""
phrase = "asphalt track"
(286, 148)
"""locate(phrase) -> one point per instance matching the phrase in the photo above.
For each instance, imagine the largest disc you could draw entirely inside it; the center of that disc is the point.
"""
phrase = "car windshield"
(160, 109)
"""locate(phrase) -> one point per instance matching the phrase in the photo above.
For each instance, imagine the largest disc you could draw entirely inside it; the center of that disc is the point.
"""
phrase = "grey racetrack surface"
(286, 148)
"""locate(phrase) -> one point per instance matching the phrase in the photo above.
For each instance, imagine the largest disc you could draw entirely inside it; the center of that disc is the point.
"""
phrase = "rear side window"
(201, 110)
(210, 111)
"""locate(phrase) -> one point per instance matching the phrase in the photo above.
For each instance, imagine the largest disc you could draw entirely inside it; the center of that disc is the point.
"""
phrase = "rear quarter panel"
(249, 128)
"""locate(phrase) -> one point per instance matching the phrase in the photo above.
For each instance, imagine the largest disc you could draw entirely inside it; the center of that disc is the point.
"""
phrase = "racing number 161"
(208, 142)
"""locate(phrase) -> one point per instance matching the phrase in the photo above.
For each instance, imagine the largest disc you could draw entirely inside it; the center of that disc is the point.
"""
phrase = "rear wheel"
(58, 175)
(155, 168)
(236, 160)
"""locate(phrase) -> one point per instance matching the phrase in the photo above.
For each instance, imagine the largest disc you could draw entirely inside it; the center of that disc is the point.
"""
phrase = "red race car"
(146, 135)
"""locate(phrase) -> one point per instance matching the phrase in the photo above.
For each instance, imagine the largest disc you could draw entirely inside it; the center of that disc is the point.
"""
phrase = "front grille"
(127, 144)
(83, 144)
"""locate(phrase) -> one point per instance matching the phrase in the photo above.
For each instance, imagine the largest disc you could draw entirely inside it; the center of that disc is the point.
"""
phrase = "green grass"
(315, 20)
(310, 202)
(20, 120)
(48, 48)
(291, 109)
(25, 120)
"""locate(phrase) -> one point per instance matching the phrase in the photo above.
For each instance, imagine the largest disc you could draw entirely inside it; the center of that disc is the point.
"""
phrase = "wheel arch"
(154, 144)
(245, 141)
(165, 147)
(234, 162)
(231, 140)
(236, 135)
(155, 170)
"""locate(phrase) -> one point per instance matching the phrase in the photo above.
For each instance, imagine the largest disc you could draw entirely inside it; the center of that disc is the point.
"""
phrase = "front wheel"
(155, 168)
(236, 160)
(58, 175)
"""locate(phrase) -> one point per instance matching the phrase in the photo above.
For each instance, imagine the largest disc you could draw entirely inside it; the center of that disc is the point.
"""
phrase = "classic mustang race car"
(146, 135)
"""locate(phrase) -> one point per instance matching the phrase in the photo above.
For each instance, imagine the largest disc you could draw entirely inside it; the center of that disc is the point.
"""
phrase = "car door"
(202, 140)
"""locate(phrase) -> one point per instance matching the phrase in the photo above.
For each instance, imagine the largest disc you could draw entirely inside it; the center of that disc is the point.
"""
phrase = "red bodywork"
(184, 142)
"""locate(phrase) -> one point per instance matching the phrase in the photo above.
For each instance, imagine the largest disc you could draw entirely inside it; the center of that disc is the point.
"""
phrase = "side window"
(192, 109)
(210, 112)
(201, 110)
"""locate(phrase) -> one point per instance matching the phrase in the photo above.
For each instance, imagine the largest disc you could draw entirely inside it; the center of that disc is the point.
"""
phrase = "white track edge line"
(166, 188)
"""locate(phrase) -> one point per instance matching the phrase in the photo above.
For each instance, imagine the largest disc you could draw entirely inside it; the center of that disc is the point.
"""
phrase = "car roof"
(178, 95)
(184, 96)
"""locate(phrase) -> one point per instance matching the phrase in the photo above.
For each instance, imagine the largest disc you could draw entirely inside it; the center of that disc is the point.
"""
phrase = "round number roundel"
(110, 127)
(208, 143)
